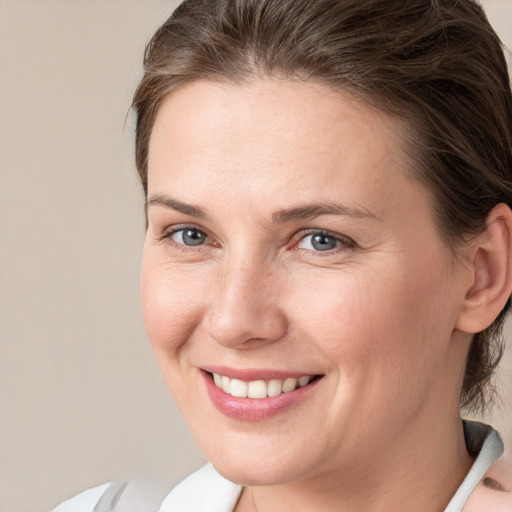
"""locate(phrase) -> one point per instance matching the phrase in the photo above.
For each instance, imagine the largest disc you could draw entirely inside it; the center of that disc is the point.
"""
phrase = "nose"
(244, 310)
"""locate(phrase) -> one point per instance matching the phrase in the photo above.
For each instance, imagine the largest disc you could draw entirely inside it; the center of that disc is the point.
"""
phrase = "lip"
(255, 409)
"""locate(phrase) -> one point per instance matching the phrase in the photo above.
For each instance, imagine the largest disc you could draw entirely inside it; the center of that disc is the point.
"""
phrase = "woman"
(327, 264)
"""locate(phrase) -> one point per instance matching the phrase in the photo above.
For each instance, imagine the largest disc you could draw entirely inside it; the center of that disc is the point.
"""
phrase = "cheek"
(371, 323)
(171, 304)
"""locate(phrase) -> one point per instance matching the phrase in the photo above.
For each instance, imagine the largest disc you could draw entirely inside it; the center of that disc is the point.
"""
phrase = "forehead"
(297, 111)
(304, 138)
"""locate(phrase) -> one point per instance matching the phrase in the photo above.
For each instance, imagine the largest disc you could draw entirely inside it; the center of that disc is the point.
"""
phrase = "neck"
(418, 470)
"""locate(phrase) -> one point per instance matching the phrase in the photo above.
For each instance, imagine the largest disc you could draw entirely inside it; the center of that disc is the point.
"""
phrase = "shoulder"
(202, 491)
(83, 502)
(494, 491)
(205, 490)
(487, 499)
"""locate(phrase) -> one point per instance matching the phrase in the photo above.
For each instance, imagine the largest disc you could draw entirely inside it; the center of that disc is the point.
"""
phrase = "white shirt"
(207, 491)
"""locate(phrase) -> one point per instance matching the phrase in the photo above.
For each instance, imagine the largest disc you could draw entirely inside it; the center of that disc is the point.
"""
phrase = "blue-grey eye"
(319, 242)
(189, 236)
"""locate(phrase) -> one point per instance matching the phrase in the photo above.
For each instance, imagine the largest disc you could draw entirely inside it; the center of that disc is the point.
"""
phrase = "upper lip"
(252, 374)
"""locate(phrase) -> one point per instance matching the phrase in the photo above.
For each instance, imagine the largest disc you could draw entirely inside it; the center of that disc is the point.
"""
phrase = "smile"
(259, 388)
(253, 395)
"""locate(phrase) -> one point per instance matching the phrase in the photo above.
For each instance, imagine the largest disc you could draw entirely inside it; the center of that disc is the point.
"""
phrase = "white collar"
(484, 442)
(207, 491)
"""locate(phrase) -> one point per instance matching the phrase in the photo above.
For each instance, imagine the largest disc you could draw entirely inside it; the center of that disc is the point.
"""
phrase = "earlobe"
(491, 269)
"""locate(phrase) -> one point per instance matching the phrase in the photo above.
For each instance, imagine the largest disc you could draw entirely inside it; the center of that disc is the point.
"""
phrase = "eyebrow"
(315, 210)
(169, 202)
(309, 211)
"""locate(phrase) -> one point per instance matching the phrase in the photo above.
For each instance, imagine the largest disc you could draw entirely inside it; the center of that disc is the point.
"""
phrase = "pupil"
(193, 237)
(323, 243)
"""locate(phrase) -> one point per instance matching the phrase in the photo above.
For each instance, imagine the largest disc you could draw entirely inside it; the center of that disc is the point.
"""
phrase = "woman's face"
(286, 240)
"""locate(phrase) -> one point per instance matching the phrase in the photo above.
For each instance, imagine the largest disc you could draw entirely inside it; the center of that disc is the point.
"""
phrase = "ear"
(491, 268)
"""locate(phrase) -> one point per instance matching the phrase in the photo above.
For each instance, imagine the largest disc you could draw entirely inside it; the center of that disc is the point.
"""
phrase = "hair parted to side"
(437, 64)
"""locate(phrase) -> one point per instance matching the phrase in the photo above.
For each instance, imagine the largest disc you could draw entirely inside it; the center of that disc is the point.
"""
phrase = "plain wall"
(81, 399)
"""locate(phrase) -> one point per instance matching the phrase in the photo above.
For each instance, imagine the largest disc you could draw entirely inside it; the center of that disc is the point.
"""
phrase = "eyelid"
(171, 230)
(345, 241)
(166, 236)
(174, 236)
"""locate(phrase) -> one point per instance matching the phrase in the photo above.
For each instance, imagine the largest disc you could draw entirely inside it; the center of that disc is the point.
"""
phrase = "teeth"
(238, 388)
(289, 385)
(303, 380)
(226, 384)
(218, 380)
(275, 387)
(259, 388)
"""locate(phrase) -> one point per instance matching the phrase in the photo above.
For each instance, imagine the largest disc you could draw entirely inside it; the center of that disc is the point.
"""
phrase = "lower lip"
(255, 409)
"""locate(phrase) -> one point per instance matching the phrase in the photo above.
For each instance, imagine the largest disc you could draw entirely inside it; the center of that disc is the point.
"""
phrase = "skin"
(494, 492)
(385, 316)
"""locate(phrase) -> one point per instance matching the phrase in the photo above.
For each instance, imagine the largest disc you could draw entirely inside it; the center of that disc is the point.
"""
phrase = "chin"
(249, 474)
(256, 462)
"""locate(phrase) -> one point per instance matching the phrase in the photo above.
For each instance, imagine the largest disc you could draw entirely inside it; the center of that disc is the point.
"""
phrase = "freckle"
(490, 483)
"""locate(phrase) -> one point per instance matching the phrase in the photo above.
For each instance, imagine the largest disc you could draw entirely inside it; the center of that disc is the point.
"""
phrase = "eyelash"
(167, 237)
(343, 242)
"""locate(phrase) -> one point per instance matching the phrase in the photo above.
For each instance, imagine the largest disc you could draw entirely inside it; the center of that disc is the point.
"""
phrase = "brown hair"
(438, 64)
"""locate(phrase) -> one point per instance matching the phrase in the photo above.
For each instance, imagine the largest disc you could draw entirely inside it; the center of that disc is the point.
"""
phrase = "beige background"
(81, 400)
